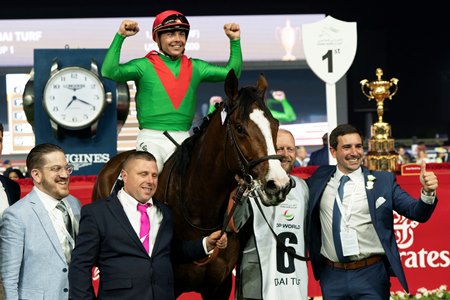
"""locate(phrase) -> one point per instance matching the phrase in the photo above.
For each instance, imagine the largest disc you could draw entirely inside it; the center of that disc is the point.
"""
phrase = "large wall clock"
(74, 98)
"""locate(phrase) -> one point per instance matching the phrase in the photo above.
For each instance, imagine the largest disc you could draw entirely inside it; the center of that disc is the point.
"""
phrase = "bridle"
(244, 165)
(247, 187)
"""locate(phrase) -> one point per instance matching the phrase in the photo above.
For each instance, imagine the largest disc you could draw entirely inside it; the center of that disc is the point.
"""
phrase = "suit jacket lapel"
(119, 214)
(42, 214)
(370, 195)
(323, 185)
(162, 227)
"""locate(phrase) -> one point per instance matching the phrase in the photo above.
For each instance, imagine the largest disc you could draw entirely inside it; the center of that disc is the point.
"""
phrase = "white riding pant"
(155, 142)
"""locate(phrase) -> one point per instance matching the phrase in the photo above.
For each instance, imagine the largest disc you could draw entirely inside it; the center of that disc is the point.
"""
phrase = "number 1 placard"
(330, 47)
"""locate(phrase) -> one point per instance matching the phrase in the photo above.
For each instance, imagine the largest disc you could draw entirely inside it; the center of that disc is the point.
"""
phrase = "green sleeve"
(112, 57)
(217, 73)
(287, 115)
(112, 69)
(235, 61)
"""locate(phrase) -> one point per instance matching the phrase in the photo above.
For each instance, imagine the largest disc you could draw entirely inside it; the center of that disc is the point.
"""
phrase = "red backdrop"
(425, 248)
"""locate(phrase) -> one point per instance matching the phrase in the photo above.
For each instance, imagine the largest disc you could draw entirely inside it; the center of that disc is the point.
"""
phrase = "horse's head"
(252, 131)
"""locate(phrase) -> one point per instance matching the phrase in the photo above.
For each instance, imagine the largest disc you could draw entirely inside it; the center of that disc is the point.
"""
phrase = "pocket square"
(379, 202)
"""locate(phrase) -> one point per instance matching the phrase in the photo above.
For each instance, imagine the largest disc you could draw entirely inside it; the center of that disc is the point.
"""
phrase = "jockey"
(167, 80)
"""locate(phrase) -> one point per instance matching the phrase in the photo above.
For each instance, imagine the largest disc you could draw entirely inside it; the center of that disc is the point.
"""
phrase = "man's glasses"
(57, 169)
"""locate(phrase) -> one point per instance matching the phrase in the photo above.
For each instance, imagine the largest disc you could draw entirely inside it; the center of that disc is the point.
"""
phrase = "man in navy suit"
(9, 193)
(320, 157)
(109, 239)
(354, 257)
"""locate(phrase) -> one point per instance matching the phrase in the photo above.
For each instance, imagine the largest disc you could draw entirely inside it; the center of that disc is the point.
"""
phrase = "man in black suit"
(109, 239)
(9, 193)
(320, 157)
(9, 190)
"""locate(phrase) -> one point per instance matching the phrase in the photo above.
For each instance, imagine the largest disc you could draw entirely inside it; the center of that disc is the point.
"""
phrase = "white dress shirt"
(155, 216)
(355, 215)
(134, 216)
(56, 216)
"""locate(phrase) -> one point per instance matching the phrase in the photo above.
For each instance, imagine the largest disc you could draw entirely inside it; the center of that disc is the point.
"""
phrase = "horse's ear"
(261, 85)
(231, 87)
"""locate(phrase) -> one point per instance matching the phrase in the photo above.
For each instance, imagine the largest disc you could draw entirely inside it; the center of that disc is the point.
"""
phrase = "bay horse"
(234, 145)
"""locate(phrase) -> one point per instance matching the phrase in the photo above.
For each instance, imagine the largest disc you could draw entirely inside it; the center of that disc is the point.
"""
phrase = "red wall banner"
(424, 247)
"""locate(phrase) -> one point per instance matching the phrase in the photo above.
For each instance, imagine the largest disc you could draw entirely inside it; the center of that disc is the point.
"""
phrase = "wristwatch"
(75, 99)
(429, 194)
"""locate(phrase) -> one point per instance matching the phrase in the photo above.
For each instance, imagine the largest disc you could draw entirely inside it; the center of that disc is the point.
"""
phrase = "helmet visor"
(173, 22)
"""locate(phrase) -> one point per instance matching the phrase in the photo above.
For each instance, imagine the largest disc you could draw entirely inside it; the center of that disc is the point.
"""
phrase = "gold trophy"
(381, 154)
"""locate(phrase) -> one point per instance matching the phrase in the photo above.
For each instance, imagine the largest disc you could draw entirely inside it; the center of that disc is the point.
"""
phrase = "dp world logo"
(288, 216)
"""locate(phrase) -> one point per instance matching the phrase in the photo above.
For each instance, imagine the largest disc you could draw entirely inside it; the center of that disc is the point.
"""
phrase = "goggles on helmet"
(170, 20)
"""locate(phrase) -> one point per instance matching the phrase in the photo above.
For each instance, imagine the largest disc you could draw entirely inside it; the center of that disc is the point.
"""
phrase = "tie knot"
(344, 179)
(61, 206)
(143, 207)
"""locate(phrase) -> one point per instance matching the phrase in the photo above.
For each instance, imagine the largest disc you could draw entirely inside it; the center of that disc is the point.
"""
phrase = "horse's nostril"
(271, 187)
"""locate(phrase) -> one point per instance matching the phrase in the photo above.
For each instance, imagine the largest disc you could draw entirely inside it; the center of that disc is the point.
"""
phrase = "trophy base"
(288, 57)
(382, 162)
(382, 155)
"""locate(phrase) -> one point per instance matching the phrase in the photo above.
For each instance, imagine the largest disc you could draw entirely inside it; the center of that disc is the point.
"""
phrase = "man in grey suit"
(37, 233)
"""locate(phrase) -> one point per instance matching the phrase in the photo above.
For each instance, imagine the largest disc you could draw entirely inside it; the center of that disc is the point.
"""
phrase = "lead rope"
(243, 192)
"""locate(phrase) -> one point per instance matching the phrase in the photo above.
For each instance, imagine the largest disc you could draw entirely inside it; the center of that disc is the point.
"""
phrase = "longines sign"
(81, 160)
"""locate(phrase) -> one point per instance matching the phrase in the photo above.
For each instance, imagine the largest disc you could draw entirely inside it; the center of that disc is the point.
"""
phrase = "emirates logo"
(404, 231)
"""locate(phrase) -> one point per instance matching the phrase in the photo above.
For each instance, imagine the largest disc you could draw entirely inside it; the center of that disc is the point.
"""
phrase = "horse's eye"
(239, 128)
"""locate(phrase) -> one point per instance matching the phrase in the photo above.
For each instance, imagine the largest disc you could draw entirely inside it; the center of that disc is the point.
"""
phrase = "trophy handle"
(394, 82)
(364, 83)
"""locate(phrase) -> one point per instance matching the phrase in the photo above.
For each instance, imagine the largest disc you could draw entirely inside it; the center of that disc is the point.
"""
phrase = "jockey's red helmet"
(170, 20)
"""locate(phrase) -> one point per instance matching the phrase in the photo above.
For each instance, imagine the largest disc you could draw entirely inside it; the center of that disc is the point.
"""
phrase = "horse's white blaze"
(276, 171)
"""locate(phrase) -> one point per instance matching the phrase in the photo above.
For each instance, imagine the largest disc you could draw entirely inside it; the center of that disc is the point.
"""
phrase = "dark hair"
(138, 155)
(325, 138)
(17, 171)
(1, 127)
(34, 158)
(341, 130)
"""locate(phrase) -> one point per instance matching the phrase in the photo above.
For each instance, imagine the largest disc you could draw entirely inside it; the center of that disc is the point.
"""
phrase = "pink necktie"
(144, 233)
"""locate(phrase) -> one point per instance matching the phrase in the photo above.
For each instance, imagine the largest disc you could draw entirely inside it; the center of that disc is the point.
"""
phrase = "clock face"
(74, 98)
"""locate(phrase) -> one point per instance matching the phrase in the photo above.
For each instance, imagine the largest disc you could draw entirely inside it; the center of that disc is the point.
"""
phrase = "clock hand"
(73, 99)
(82, 101)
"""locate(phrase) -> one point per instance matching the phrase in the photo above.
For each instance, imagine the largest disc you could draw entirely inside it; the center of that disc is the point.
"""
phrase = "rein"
(245, 167)
(248, 187)
(243, 192)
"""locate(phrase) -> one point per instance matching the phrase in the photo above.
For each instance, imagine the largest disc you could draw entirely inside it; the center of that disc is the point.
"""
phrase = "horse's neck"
(209, 166)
